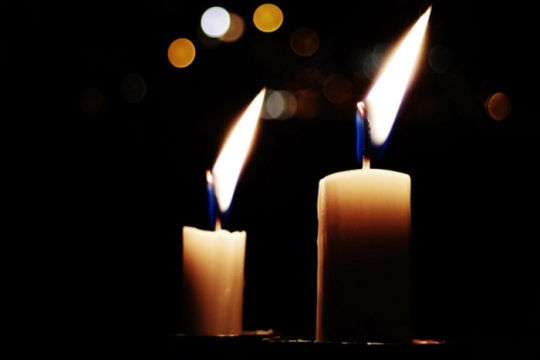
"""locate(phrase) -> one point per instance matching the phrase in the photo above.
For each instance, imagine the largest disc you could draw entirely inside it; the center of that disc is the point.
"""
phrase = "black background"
(112, 191)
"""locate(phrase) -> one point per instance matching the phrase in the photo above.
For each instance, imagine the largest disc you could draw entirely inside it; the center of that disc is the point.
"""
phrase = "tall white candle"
(213, 281)
(363, 243)
(364, 234)
(213, 261)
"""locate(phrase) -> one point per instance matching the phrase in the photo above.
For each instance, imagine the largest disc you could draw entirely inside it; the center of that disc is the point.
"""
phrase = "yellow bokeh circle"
(181, 53)
(268, 18)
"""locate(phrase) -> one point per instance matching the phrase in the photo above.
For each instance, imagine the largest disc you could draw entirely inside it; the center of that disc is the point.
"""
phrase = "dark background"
(112, 190)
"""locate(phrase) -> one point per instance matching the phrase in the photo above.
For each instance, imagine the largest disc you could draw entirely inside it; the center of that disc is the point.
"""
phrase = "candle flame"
(384, 99)
(230, 161)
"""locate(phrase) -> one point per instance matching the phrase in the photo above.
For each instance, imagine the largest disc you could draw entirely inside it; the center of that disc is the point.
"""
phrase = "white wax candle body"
(364, 275)
(212, 281)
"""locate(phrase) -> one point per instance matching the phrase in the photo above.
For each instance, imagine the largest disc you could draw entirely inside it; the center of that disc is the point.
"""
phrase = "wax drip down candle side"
(364, 233)
(213, 261)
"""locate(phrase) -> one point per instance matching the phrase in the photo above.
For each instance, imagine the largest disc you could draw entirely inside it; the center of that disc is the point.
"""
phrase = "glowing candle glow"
(364, 234)
(213, 261)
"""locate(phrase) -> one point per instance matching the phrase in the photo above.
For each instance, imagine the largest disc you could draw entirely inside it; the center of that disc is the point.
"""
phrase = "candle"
(364, 257)
(213, 261)
(213, 281)
(364, 231)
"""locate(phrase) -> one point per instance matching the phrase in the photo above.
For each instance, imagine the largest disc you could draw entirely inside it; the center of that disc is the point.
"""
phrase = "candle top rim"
(192, 228)
(370, 171)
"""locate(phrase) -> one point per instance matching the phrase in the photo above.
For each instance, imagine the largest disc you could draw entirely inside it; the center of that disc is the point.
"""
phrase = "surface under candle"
(364, 275)
(212, 281)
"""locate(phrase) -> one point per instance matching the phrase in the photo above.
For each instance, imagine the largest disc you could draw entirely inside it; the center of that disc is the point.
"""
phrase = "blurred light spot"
(215, 21)
(374, 60)
(268, 18)
(337, 88)
(133, 88)
(498, 106)
(307, 104)
(310, 78)
(236, 29)
(181, 53)
(90, 101)
(440, 59)
(304, 41)
(279, 105)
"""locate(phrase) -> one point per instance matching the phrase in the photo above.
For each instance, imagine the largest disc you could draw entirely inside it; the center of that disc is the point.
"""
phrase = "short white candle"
(364, 257)
(213, 281)
(213, 261)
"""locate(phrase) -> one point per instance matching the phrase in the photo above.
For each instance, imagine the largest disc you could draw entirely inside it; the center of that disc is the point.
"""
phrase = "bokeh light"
(498, 106)
(279, 105)
(215, 22)
(133, 88)
(440, 59)
(337, 88)
(90, 101)
(236, 29)
(374, 60)
(268, 18)
(181, 53)
(304, 41)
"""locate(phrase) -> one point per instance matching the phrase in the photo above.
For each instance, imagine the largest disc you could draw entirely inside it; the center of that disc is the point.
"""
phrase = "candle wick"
(211, 198)
(218, 224)
(366, 162)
